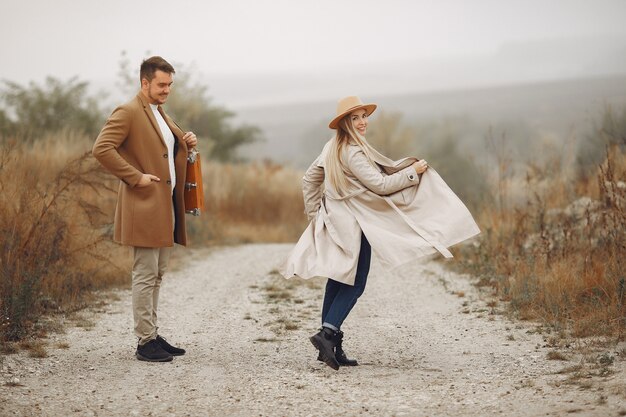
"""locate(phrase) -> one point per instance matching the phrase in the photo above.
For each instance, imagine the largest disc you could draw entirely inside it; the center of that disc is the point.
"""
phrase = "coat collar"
(389, 165)
(176, 130)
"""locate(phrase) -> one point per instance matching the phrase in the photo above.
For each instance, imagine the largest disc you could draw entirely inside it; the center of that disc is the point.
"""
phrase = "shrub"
(559, 256)
(54, 244)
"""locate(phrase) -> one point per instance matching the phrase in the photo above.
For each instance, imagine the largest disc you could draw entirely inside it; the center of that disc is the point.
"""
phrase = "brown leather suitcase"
(194, 192)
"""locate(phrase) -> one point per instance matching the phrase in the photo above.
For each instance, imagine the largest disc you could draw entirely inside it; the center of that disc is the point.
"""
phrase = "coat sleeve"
(375, 180)
(111, 137)
(312, 188)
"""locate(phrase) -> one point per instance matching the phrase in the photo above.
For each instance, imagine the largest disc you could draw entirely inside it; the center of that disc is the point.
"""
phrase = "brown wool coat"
(129, 145)
(403, 216)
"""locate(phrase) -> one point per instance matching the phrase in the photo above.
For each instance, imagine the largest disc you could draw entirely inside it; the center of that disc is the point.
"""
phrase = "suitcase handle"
(192, 155)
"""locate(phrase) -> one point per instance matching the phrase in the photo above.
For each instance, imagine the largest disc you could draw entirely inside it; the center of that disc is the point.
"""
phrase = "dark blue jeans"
(340, 298)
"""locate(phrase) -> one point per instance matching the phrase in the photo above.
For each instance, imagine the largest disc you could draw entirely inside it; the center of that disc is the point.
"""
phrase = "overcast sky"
(247, 37)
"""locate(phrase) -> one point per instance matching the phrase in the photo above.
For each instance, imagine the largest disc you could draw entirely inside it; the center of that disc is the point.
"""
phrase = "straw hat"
(347, 105)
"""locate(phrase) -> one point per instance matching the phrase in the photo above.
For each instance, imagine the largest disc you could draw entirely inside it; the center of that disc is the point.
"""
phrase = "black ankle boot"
(325, 341)
(340, 355)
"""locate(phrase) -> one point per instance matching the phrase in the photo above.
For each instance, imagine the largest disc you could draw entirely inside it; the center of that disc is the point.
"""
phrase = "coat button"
(168, 182)
(164, 155)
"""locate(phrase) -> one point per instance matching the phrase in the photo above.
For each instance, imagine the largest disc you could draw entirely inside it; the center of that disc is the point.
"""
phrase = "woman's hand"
(420, 166)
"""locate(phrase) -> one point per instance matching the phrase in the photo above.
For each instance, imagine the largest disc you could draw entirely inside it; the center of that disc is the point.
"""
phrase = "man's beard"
(157, 98)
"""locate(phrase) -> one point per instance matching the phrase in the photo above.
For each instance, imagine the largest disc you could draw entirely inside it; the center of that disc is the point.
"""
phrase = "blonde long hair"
(335, 166)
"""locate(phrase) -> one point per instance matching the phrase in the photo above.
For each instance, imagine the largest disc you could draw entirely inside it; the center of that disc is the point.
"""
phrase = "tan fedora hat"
(347, 105)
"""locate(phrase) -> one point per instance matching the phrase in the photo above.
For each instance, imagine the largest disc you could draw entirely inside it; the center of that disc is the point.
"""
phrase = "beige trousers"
(148, 268)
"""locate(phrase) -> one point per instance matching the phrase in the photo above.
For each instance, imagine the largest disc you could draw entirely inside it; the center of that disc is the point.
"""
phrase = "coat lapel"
(176, 130)
(148, 110)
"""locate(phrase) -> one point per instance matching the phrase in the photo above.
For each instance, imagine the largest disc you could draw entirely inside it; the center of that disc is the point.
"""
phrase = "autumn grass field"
(559, 258)
(258, 202)
(556, 252)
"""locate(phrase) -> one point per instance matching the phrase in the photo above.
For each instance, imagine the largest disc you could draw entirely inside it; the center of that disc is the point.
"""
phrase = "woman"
(355, 197)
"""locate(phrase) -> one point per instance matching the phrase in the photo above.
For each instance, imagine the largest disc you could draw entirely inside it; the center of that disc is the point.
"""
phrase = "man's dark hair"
(151, 65)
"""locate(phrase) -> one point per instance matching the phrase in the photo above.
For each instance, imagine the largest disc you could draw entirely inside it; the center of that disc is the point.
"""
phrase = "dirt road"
(427, 343)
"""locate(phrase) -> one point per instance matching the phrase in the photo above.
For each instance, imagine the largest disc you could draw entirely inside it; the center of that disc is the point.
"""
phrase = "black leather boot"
(325, 341)
(340, 355)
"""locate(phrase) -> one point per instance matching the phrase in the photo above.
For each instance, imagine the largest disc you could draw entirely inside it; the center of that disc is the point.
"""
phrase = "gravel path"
(427, 343)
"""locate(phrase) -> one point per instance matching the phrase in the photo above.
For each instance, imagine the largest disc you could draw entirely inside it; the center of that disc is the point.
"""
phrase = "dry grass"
(259, 202)
(285, 302)
(35, 348)
(554, 355)
(590, 368)
(9, 348)
(558, 257)
(291, 326)
(38, 352)
(54, 231)
(265, 340)
(83, 323)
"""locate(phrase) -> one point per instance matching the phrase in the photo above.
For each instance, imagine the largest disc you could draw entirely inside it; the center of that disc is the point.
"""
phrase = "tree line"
(35, 110)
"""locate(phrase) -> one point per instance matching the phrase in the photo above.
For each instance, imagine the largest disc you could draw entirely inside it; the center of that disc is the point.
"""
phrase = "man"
(147, 151)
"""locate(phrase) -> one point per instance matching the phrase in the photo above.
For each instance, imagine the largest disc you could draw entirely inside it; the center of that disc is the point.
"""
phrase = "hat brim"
(369, 109)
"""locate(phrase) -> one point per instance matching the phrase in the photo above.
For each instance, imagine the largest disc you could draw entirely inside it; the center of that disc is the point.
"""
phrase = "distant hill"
(528, 113)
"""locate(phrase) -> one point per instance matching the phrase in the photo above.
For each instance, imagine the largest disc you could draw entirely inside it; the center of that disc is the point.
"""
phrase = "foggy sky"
(249, 40)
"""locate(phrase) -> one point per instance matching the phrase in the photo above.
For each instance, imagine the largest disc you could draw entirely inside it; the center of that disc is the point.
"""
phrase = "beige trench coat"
(129, 145)
(404, 216)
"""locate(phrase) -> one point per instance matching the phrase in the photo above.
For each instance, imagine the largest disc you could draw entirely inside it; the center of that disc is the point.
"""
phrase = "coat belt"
(354, 193)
